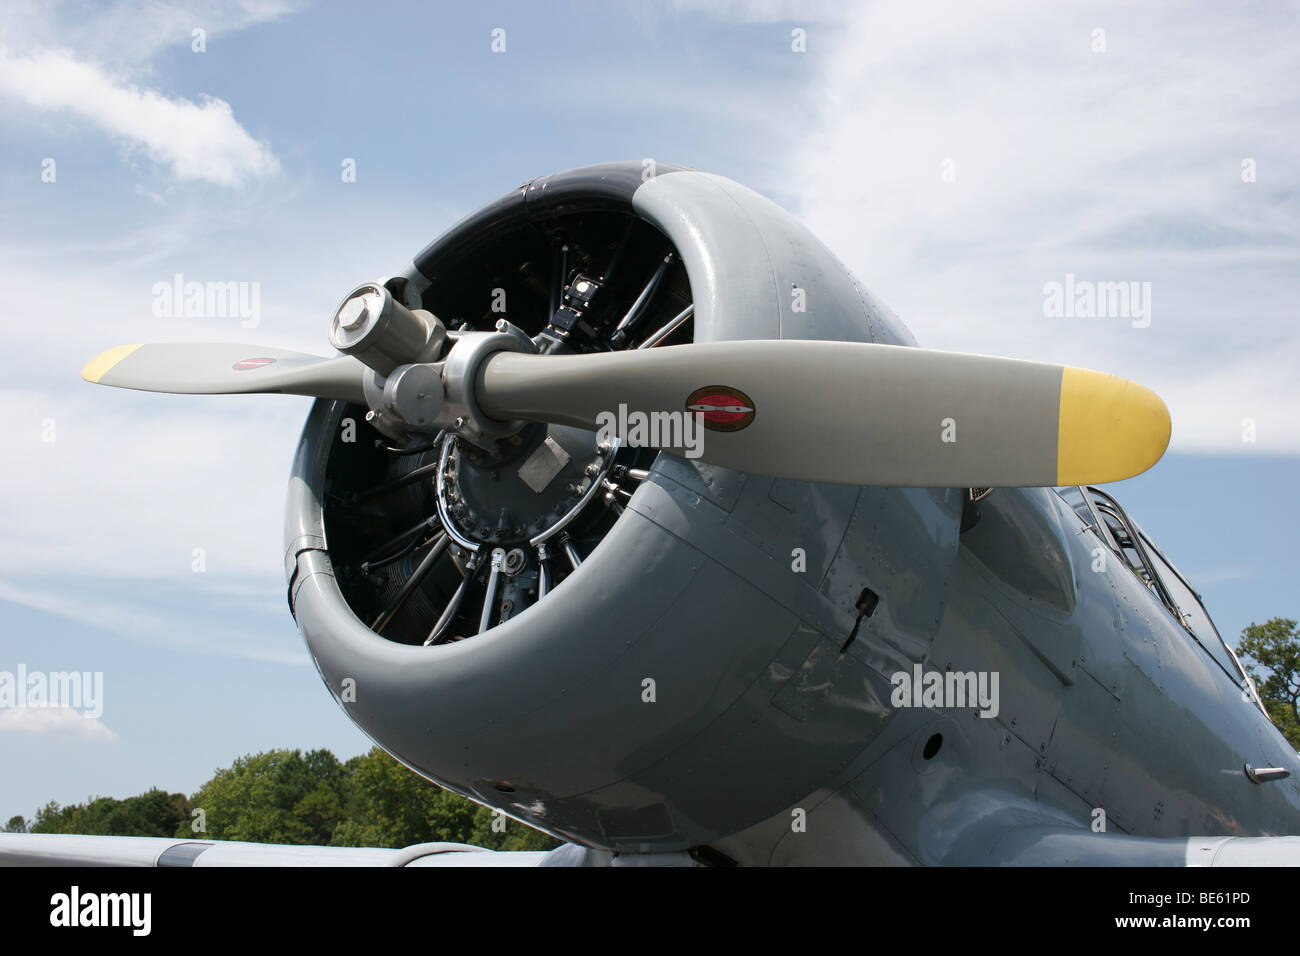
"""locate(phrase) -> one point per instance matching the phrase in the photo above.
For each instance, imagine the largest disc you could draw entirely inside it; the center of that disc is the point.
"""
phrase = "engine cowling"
(581, 634)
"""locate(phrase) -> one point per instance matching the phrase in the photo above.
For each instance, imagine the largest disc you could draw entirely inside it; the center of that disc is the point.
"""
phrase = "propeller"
(214, 368)
(852, 413)
(841, 412)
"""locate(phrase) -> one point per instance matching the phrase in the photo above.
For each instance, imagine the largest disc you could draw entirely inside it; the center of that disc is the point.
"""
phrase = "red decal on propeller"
(243, 365)
(723, 408)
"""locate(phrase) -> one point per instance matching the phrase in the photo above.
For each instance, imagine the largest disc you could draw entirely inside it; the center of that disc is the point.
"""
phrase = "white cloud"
(202, 632)
(119, 488)
(764, 11)
(58, 721)
(133, 483)
(1122, 165)
(200, 141)
(128, 33)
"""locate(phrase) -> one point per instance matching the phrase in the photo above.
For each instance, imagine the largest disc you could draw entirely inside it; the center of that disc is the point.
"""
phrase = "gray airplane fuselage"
(693, 683)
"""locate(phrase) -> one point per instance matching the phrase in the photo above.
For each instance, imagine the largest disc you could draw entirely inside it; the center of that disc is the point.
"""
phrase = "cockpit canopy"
(1126, 538)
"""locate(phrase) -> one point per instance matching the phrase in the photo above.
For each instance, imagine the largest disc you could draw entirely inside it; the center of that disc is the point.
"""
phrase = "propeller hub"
(414, 395)
(381, 332)
(460, 372)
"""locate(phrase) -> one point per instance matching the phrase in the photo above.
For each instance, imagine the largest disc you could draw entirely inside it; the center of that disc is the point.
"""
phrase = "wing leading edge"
(56, 849)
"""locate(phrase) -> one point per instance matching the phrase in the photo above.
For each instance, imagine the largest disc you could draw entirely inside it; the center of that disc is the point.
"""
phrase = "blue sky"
(1117, 164)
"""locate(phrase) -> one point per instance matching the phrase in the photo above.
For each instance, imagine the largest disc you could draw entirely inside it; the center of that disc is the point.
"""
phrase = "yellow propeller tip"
(1110, 428)
(100, 365)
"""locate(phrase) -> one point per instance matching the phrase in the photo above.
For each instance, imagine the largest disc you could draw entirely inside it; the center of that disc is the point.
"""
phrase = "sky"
(960, 158)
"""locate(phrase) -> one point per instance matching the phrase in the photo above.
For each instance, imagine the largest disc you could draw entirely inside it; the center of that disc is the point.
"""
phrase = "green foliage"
(284, 796)
(1274, 646)
(502, 833)
(155, 813)
(275, 797)
(392, 806)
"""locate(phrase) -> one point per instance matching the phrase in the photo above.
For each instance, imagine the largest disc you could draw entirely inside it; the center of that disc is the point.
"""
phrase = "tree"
(502, 833)
(16, 825)
(1275, 647)
(51, 818)
(275, 797)
(395, 807)
(153, 813)
(284, 796)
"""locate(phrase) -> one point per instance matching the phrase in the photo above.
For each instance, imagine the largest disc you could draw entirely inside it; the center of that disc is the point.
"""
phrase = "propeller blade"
(226, 369)
(849, 413)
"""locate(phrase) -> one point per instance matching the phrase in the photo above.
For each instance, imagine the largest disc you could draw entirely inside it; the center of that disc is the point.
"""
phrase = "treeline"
(285, 796)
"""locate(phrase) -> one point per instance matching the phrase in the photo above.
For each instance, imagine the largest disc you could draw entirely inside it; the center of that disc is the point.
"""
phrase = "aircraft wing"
(1016, 838)
(56, 849)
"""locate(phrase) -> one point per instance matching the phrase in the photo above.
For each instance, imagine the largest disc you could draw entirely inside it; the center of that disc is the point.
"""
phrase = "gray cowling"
(545, 716)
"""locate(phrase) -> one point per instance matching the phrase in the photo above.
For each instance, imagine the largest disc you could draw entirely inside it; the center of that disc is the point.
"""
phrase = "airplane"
(625, 510)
